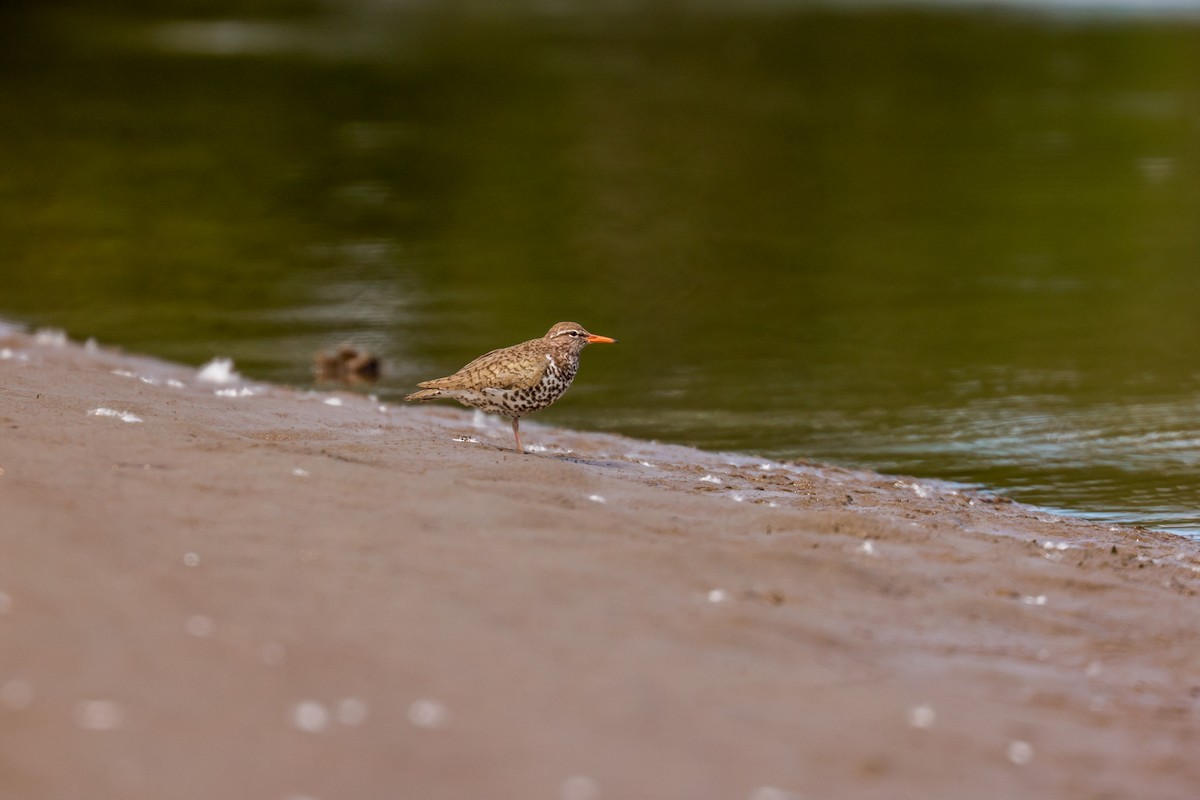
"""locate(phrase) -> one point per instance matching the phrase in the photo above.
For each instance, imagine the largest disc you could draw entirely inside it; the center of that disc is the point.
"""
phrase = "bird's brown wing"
(506, 368)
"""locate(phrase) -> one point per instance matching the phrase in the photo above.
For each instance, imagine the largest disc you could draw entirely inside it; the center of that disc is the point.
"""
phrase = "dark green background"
(963, 245)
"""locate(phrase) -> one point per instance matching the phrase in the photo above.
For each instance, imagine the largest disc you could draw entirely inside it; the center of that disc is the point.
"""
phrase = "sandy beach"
(236, 590)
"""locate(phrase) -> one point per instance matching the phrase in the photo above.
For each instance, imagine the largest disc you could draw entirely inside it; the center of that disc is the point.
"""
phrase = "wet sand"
(273, 593)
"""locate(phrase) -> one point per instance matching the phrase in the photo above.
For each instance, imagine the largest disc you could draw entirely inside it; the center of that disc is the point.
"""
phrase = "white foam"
(1019, 752)
(595, 498)
(917, 489)
(921, 717)
(332, 401)
(241, 391)
(310, 716)
(124, 416)
(50, 336)
(219, 371)
(427, 713)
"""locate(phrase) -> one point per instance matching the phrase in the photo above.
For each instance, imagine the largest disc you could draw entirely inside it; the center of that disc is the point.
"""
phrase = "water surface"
(950, 244)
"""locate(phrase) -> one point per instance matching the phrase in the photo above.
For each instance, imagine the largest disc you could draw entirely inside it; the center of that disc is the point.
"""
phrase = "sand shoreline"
(244, 590)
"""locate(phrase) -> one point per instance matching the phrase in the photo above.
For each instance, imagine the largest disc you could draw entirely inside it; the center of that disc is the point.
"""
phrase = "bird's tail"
(424, 394)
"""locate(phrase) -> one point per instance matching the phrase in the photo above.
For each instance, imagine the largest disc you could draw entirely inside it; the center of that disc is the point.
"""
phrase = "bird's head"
(575, 336)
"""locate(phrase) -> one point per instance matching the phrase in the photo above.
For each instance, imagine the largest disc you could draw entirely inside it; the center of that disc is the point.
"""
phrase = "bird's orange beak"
(594, 339)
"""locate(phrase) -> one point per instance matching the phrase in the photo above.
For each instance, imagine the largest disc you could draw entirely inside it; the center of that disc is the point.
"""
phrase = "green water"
(962, 245)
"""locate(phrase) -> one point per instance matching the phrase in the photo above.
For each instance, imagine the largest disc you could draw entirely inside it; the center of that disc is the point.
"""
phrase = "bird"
(518, 380)
(347, 364)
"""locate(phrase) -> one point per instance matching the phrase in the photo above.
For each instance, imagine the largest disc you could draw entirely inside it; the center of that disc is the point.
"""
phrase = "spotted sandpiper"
(518, 380)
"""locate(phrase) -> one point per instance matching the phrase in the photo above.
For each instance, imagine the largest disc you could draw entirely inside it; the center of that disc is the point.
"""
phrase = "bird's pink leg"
(517, 433)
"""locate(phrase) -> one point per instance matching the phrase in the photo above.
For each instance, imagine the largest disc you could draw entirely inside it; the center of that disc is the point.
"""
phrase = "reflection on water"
(945, 244)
